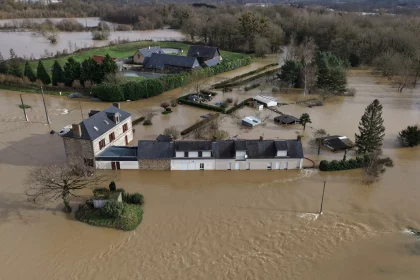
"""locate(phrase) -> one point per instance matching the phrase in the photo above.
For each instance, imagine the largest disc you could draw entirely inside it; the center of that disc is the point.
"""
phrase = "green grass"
(124, 51)
(130, 219)
(26, 106)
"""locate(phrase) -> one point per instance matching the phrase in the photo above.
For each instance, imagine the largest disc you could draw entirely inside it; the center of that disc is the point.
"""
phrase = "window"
(200, 154)
(185, 154)
(101, 144)
(88, 162)
(117, 119)
(201, 166)
(269, 166)
(125, 127)
(111, 137)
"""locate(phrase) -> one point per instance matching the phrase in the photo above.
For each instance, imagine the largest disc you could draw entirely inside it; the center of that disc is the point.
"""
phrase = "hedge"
(336, 165)
(199, 124)
(249, 79)
(251, 87)
(184, 100)
(151, 87)
(224, 83)
(240, 105)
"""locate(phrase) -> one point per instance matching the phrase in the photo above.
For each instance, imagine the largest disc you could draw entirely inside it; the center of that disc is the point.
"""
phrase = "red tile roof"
(99, 59)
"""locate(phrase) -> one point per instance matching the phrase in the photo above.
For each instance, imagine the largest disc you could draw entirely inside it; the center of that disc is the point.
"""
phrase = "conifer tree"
(371, 129)
(42, 75)
(13, 66)
(57, 73)
(3, 65)
(71, 71)
(29, 72)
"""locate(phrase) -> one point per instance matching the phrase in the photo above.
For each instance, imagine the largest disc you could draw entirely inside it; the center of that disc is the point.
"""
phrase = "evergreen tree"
(71, 71)
(371, 129)
(13, 66)
(3, 65)
(410, 136)
(331, 74)
(290, 72)
(90, 71)
(29, 72)
(108, 66)
(42, 75)
(57, 73)
(304, 119)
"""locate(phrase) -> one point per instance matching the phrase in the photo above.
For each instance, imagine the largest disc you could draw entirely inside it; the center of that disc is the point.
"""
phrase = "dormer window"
(117, 119)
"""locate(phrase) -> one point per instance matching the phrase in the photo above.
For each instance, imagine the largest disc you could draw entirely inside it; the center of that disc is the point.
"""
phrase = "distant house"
(207, 56)
(267, 101)
(141, 54)
(250, 121)
(88, 140)
(171, 63)
(99, 58)
(213, 155)
(286, 119)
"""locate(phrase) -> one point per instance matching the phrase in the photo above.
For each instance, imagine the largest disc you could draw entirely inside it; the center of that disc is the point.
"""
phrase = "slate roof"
(203, 51)
(103, 122)
(158, 61)
(224, 149)
(338, 142)
(163, 138)
(151, 149)
(193, 145)
(119, 153)
(146, 52)
(211, 62)
(286, 119)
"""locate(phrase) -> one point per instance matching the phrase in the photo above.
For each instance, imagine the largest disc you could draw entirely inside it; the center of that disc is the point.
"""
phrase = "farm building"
(250, 121)
(337, 143)
(286, 119)
(141, 54)
(267, 101)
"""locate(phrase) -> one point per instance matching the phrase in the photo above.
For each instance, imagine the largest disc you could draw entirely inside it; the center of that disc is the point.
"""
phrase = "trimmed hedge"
(336, 165)
(238, 83)
(251, 87)
(108, 92)
(184, 100)
(225, 83)
(240, 105)
(199, 124)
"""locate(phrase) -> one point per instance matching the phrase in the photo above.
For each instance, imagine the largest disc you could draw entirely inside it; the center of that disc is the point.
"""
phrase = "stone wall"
(159, 164)
(77, 150)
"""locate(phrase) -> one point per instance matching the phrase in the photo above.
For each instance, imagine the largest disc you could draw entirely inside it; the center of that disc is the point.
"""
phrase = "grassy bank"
(125, 50)
(33, 90)
(129, 220)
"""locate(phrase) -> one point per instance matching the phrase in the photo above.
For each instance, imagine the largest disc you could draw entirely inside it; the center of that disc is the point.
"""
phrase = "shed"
(250, 121)
(268, 101)
(286, 119)
(336, 143)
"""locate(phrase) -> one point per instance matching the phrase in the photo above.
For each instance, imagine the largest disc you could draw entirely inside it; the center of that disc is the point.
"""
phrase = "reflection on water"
(219, 224)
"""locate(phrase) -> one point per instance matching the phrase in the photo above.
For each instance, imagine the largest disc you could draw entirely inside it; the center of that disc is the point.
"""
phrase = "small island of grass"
(113, 208)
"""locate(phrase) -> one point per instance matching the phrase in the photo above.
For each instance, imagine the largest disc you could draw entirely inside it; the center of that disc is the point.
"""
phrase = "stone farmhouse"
(94, 135)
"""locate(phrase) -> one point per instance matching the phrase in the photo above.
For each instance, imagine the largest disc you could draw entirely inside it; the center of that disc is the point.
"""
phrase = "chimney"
(299, 137)
(171, 138)
(116, 104)
(77, 130)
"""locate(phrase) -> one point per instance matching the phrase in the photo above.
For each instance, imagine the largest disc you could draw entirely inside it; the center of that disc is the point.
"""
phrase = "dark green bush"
(251, 87)
(101, 193)
(147, 122)
(113, 209)
(184, 100)
(323, 165)
(335, 165)
(108, 92)
(135, 198)
(112, 186)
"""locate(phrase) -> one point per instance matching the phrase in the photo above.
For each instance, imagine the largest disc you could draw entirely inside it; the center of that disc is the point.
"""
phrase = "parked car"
(64, 130)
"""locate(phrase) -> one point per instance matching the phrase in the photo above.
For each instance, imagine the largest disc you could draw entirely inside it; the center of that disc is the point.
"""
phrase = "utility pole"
(23, 107)
(45, 106)
(322, 199)
(81, 111)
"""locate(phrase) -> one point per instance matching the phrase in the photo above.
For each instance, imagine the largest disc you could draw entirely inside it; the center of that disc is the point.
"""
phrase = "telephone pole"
(322, 199)
(81, 111)
(45, 106)
(23, 107)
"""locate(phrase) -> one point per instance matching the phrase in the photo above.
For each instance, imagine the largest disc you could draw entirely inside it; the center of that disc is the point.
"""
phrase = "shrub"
(229, 100)
(251, 87)
(220, 134)
(108, 92)
(100, 193)
(136, 198)
(351, 92)
(164, 105)
(147, 122)
(26, 106)
(112, 186)
(171, 131)
(174, 103)
(323, 165)
(113, 209)
(410, 136)
(223, 105)
(335, 165)
(100, 35)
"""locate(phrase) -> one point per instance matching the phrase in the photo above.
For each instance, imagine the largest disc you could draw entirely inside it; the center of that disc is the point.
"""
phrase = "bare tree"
(376, 166)
(195, 80)
(52, 182)
(172, 131)
(308, 48)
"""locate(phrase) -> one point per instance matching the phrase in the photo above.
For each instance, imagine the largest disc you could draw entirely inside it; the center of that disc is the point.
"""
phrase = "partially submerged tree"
(410, 136)
(371, 129)
(375, 166)
(304, 119)
(172, 131)
(51, 182)
(195, 80)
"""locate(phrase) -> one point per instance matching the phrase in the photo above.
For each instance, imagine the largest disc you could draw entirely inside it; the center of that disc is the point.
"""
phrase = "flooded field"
(216, 224)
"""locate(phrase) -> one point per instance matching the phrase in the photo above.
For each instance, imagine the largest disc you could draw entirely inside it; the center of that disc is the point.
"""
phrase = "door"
(126, 139)
(277, 165)
(237, 165)
(248, 166)
(118, 165)
(114, 166)
(286, 165)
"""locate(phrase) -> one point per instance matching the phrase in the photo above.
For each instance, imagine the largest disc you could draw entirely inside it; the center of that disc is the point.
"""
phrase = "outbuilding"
(286, 119)
(267, 101)
(250, 121)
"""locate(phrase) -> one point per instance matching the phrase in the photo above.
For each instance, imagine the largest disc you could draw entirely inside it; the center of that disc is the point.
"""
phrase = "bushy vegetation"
(108, 92)
(335, 165)
(410, 136)
(112, 209)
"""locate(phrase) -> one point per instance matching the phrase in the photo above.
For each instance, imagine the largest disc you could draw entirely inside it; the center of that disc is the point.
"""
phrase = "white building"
(267, 101)
(94, 135)
(251, 121)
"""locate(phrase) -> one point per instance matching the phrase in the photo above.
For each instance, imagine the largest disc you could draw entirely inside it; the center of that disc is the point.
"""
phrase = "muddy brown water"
(224, 224)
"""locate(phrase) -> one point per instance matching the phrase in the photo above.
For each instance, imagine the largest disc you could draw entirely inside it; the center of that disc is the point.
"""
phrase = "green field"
(124, 51)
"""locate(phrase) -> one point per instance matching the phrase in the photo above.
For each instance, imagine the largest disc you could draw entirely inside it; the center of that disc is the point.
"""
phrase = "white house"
(91, 137)
(268, 101)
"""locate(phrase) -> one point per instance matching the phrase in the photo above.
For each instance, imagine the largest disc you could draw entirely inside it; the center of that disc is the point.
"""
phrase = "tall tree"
(108, 66)
(290, 73)
(42, 74)
(13, 66)
(304, 119)
(371, 129)
(90, 71)
(52, 182)
(71, 71)
(29, 72)
(57, 73)
(3, 65)
(332, 76)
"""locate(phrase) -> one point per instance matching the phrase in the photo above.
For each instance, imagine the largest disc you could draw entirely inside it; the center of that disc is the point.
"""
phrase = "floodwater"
(30, 45)
(220, 224)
